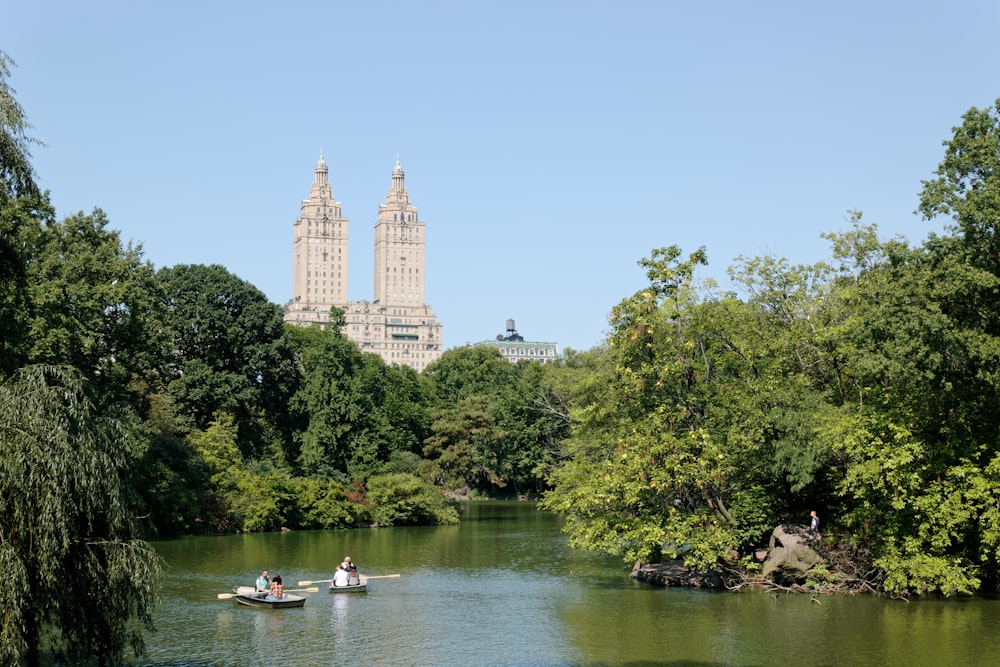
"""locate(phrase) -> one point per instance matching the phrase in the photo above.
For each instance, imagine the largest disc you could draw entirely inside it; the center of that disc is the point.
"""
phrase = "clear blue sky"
(548, 145)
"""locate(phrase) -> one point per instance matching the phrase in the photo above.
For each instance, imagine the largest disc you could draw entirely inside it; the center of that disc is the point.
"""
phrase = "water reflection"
(338, 620)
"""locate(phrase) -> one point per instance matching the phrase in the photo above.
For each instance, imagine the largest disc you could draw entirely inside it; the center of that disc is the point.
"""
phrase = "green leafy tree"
(323, 503)
(534, 421)
(17, 176)
(20, 218)
(229, 353)
(82, 585)
(22, 207)
(645, 476)
(353, 411)
(173, 481)
(400, 499)
(462, 450)
(335, 413)
(93, 303)
(217, 452)
(511, 416)
(467, 371)
(175, 489)
(264, 499)
(967, 186)
(920, 451)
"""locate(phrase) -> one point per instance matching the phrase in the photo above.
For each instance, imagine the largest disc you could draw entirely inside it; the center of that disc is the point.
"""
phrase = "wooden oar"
(226, 596)
(326, 581)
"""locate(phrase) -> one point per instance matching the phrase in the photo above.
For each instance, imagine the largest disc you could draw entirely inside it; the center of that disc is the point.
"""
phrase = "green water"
(504, 588)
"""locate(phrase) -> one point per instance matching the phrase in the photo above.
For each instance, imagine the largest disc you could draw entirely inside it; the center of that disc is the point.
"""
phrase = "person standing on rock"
(814, 521)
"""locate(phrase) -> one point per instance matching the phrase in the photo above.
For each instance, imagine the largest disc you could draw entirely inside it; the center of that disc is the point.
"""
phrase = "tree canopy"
(81, 583)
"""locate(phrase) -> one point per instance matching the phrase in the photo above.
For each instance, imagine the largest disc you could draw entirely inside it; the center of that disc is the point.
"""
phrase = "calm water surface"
(504, 589)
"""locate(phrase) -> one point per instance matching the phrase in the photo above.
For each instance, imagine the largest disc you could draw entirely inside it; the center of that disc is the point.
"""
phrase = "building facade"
(514, 348)
(396, 324)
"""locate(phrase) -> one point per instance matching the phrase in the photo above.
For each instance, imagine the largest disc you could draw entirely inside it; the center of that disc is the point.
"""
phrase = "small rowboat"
(249, 596)
(356, 588)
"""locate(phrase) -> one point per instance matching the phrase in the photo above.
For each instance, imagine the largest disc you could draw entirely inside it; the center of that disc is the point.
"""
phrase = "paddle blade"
(226, 596)
(385, 576)
(310, 583)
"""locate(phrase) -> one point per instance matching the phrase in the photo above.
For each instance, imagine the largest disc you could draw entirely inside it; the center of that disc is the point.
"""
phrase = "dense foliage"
(68, 540)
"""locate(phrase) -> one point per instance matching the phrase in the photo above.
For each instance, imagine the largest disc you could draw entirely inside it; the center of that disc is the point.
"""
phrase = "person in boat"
(263, 583)
(347, 563)
(341, 577)
(277, 586)
(353, 578)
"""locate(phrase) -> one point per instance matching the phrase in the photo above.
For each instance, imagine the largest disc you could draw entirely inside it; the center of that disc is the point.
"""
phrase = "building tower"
(399, 248)
(319, 242)
(397, 324)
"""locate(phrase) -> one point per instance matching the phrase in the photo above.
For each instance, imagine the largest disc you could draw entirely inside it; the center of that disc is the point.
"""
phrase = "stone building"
(396, 324)
(514, 348)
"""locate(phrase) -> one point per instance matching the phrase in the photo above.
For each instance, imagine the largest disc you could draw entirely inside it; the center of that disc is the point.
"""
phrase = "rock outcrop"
(792, 551)
(675, 573)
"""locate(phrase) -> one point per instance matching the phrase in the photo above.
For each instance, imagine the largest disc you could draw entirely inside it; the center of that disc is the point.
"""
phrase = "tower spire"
(397, 191)
(322, 172)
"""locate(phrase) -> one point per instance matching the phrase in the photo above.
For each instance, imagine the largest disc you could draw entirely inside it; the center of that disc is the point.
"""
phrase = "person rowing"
(263, 583)
(341, 577)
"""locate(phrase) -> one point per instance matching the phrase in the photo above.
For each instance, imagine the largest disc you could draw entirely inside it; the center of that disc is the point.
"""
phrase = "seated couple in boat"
(273, 585)
(346, 574)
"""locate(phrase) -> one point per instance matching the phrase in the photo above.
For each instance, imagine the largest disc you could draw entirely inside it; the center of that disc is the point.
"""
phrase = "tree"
(646, 476)
(228, 352)
(353, 411)
(82, 585)
(400, 499)
(967, 186)
(333, 410)
(533, 421)
(510, 416)
(21, 207)
(462, 448)
(466, 371)
(92, 303)
(20, 219)
(919, 449)
(17, 176)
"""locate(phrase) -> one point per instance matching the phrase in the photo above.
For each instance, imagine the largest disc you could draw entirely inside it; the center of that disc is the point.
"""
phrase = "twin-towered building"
(396, 324)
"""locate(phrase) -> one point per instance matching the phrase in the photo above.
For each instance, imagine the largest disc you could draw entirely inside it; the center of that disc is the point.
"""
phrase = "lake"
(505, 589)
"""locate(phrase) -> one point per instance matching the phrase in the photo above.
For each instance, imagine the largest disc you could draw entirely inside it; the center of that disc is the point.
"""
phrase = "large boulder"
(675, 573)
(792, 552)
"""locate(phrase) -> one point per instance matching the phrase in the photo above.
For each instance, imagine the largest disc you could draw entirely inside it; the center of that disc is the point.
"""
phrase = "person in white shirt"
(340, 577)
